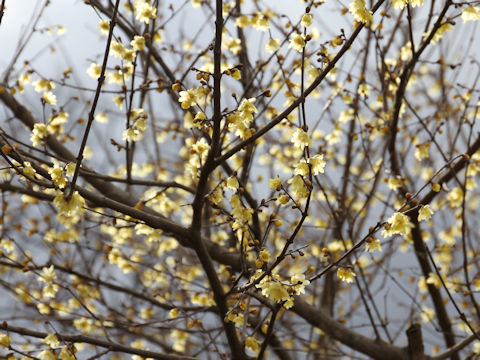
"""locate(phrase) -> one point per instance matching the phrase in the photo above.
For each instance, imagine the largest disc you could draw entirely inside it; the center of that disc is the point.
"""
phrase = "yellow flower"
(427, 315)
(232, 183)
(39, 132)
(55, 122)
(71, 207)
(252, 344)
(242, 21)
(272, 45)
(318, 164)
(118, 100)
(24, 79)
(416, 3)
(101, 118)
(298, 283)
(117, 49)
(399, 4)
(67, 353)
(425, 213)
(5, 340)
(299, 190)
(422, 151)
(197, 3)
(307, 20)
(346, 274)
(300, 139)
(128, 55)
(471, 13)
(434, 280)
(455, 197)
(94, 70)
(283, 199)
(398, 223)
(187, 98)
(236, 74)
(47, 355)
(359, 11)
(51, 340)
(297, 42)
(173, 313)
(48, 275)
(275, 183)
(43, 84)
(274, 290)
(104, 26)
(50, 98)
(28, 170)
(373, 245)
(56, 173)
(436, 187)
(144, 11)
(394, 183)
(264, 255)
(301, 168)
(138, 43)
(132, 135)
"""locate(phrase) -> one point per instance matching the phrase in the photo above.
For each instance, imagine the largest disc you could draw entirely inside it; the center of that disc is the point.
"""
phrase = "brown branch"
(346, 46)
(94, 341)
(91, 114)
(237, 350)
(415, 342)
(2, 10)
(376, 349)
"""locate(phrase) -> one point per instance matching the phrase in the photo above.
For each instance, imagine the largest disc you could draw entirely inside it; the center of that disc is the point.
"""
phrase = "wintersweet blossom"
(400, 4)
(104, 26)
(275, 183)
(56, 173)
(274, 290)
(252, 344)
(346, 274)
(39, 132)
(318, 164)
(144, 11)
(471, 13)
(51, 340)
(297, 42)
(50, 98)
(422, 151)
(5, 341)
(94, 70)
(298, 188)
(300, 139)
(272, 45)
(373, 245)
(43, 85)
(359, 11)
(425, 213)
(398, 223)
(69, 207)
(48, 275)
(138, 43)
(232, 183)
(307, 20)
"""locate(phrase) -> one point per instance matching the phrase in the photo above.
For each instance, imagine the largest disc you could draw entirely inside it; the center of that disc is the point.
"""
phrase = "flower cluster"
(239, 121)
(279, 291)
(138, 127)
(360, 12)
